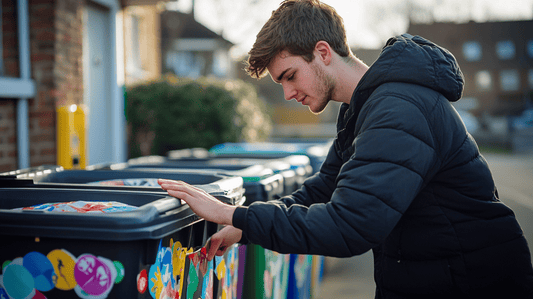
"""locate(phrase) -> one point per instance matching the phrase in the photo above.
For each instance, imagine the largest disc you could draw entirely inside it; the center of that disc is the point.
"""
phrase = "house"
(58, 56)
(189, 49)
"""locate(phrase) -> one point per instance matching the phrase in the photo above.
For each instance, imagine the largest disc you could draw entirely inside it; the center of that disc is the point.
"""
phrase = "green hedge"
(176, 113)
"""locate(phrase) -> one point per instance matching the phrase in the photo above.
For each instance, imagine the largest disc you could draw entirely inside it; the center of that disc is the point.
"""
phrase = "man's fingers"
(178, 194)
(180, 186)
(214, 245)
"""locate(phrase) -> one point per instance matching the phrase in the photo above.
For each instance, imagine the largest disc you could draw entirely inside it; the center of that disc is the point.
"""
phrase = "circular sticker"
(120, 271)
(41, 269)
(142, 281)
(38, 295)
(18, 282)
(92, 275)
(4, 265)
(64, 264)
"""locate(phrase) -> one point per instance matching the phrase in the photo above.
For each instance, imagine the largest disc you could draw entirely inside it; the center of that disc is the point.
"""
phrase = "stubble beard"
(326, 88)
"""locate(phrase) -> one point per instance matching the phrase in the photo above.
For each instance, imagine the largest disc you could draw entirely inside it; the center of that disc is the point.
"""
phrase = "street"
(350, 278)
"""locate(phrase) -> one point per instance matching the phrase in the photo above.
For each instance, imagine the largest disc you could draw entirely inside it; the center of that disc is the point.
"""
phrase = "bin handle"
(166, 204)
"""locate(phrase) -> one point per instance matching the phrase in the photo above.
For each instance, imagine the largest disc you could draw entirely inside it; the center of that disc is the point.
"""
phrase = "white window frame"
(22, 87)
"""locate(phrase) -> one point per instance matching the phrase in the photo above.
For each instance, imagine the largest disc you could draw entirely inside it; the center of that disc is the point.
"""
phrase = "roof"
(176, 24)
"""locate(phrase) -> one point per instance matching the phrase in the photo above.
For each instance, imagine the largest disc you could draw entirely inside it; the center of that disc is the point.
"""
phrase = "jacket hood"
(413, 59)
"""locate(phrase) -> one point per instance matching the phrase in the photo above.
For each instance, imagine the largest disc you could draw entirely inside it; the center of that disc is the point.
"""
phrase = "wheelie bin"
(264, 272)
(316, 151)
(305, 271)
(136, 253)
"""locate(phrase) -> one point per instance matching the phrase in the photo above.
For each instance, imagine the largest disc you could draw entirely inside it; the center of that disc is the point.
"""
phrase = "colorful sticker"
(276, 274)
(64, 264)
(142, 281)
(226, 272)
(41, 270)
(166, 276)
(82, 207)
(89, 276)
(18, 282)
(200, 277)
(93, 275)
(120, 271)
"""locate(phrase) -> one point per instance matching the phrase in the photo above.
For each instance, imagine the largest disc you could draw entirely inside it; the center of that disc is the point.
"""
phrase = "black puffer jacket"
(405, 179)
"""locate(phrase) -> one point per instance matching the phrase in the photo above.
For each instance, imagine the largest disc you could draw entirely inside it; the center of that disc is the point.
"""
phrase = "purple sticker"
(92, 275)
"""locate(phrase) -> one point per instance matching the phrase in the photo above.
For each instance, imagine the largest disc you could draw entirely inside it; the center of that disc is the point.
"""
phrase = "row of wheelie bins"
(110, 231)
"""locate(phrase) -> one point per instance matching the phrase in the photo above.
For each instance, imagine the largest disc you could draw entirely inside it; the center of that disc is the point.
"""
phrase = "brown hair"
(296, 26)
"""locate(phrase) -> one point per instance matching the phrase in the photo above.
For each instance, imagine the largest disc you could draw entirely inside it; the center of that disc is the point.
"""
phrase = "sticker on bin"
(83, 207)
(127, 182)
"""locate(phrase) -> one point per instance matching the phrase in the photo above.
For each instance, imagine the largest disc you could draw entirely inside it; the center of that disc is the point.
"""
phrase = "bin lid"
(267, 148)
(228, 188)
(157, 215)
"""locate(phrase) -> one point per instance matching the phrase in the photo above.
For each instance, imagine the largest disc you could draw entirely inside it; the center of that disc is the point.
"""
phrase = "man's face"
(307, 83)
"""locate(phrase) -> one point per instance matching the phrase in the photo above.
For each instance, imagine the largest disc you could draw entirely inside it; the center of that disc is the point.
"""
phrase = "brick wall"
(42, 107)
(56, 59)
(8, 139)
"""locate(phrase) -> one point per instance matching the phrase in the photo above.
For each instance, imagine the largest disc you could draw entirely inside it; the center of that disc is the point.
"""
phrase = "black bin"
(133, 254)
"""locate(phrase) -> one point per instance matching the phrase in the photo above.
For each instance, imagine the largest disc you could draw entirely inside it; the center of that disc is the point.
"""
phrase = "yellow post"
(71, 142)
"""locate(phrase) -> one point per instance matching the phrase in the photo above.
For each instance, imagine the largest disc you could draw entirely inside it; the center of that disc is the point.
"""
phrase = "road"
(350, 278)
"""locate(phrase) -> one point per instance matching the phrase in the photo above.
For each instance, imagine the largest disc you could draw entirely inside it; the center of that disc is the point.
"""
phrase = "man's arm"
(319, 187)
(394, 151)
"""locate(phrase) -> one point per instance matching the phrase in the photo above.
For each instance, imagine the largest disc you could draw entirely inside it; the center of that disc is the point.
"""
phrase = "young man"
(403, 177)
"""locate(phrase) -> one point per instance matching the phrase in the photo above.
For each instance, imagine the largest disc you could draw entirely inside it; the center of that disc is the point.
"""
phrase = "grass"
(495, 149)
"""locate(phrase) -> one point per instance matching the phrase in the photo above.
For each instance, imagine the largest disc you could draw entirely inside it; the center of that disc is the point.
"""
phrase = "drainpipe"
(25, 70)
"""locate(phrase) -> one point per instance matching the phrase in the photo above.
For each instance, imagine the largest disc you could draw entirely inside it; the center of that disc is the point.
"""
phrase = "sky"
(368, 23)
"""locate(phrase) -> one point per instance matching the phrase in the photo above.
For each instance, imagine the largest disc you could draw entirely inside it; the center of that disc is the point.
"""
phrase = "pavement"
(348, 278)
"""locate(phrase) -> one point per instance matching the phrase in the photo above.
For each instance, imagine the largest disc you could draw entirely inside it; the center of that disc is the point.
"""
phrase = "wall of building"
(142, 43)
(461, 39)
(56, 68)
(8, 140)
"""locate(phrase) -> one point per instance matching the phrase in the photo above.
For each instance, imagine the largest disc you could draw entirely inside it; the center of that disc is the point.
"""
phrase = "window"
(505, 50)
(14, 83)
(483, 80)
(510, 80)
(472, 51)
(220, 63)
(529, 46)
(186, 64)
(134, 64)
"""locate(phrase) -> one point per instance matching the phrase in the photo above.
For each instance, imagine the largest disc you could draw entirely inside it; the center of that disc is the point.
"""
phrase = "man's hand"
(201, 202)
(219, 242)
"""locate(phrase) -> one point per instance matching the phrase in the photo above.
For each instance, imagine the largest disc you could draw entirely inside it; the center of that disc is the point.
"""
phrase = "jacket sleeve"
(393, 151)
(319, 187)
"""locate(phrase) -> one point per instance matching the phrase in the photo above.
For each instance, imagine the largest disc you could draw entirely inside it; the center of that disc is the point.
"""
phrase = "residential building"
(189, 49)
(142, 42)
(64, 53)
(496, 59)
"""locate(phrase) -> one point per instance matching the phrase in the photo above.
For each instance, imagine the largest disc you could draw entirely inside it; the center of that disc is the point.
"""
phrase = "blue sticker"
(41, 270)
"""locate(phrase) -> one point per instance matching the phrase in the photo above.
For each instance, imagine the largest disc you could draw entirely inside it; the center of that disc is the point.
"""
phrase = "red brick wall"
(56, 67)
(8, 139)
(42, 107)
